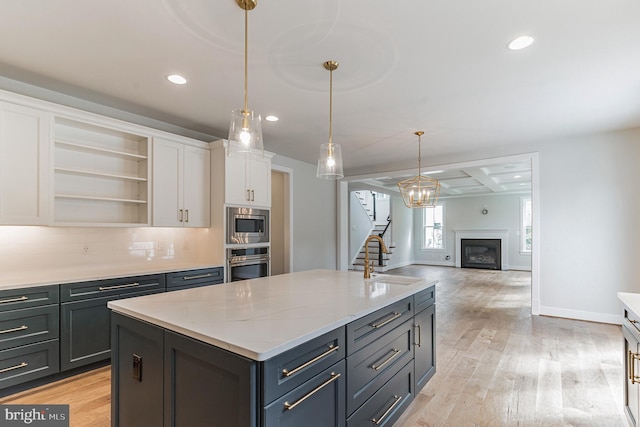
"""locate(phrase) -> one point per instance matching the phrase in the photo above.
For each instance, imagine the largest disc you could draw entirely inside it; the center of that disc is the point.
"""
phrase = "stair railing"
(380, 255)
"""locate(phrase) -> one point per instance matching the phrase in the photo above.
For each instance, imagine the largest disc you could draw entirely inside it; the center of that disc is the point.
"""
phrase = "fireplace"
(481, 253)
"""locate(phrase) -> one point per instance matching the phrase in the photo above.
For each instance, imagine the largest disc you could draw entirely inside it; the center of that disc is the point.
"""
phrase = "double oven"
(247, 243)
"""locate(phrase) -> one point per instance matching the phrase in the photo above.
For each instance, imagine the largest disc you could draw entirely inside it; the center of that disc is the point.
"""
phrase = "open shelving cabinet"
(101, 175)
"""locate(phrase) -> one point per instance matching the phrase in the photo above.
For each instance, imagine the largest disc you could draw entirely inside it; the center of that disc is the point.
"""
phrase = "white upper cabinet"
(181, 184)
(100, 175)
(24, 165)
(248, 180)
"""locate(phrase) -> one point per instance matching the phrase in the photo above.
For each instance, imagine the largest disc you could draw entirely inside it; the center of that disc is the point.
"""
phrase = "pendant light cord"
(246, 65)
(330, 110)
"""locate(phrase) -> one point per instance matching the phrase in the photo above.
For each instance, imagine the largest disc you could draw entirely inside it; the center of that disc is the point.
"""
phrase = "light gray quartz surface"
(261, 318)
(38, 277)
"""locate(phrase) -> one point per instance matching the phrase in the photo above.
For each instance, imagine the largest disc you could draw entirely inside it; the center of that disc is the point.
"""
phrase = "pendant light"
(419, 191)
(330, 161)
(245, 129)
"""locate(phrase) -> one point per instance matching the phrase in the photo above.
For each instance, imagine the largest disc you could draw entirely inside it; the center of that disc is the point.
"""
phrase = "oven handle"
(261, 260)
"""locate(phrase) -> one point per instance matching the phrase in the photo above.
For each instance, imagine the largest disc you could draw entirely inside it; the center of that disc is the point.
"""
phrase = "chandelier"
(419, 191)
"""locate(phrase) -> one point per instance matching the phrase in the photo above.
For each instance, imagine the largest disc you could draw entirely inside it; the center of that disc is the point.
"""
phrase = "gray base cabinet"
(28, 334)
(631, 347)
(85, 320)
(364, 373)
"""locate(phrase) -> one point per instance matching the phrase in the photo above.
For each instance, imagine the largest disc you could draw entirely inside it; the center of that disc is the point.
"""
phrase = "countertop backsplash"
(31, 255)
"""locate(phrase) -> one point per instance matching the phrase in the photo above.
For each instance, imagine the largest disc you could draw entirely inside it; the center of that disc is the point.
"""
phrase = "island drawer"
(424, 299)
(367, 329)
(290, 369)
(194, 278)
(27, 326)
(317, 402)
(386, 405)
(112, 287)
(29, 362)
(371, 367)
(12, 299)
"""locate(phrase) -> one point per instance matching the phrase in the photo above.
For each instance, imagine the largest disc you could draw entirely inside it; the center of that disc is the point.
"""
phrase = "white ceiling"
(437, 66)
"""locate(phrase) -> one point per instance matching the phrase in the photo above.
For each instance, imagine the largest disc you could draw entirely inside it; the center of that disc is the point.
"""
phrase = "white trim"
(590, 316)
(489, 233)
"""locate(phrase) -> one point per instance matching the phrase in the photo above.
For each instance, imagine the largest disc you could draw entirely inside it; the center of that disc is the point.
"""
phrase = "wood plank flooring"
(496, 364)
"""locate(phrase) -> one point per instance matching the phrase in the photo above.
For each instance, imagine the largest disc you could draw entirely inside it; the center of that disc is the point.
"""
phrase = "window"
(433, 227)
(525, 225)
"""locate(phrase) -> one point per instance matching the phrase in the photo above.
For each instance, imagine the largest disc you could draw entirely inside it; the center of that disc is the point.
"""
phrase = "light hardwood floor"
(496, 364)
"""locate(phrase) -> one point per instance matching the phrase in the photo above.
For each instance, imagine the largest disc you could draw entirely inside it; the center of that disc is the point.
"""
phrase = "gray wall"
(314, 224)
(465, 213)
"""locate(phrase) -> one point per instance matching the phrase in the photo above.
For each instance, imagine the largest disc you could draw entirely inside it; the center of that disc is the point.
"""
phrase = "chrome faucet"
(368, 269)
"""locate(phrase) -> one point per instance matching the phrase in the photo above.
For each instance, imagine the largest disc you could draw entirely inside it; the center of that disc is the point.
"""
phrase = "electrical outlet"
(85, 249)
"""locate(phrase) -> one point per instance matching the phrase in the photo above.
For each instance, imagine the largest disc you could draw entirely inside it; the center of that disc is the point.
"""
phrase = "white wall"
(589, 212)
(359, 225)
(314, 217)
(465, 213)
(401, 233)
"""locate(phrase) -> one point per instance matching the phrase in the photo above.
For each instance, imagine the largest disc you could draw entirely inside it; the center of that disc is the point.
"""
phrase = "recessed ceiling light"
(177, 79)
(271, 118)
(520, 42)
(517, 176)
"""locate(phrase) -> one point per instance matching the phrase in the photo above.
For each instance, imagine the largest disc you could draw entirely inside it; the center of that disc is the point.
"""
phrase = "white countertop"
(261, 318)
(38, 277)
(631, 301)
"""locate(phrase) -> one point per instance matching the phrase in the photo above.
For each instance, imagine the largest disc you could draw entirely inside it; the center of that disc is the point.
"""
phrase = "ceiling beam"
(481, 176)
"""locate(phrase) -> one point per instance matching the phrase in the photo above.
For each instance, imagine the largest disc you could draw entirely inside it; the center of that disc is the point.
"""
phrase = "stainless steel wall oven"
(247, 263)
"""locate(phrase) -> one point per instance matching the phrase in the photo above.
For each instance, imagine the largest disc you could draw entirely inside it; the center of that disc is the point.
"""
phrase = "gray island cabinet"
(315, 348)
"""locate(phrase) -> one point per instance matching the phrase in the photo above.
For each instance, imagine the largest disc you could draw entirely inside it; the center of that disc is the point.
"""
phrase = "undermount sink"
(393, 280)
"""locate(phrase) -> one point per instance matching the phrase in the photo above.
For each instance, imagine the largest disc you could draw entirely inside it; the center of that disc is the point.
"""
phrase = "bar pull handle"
(180, 215)
(635, 324)
(187, 215)
(252, 196)
(289, 406)
(632, 368)
(199, 276)
(20, 328)
(391, 319)
(332, 348)
(388, 411)
(108, 288)
(389, 359)
(248, 195)
(419, 334)
(11, 368)
(22, 298)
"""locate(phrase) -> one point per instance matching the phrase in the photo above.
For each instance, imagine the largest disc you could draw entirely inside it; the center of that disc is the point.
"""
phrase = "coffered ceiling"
(437, 66)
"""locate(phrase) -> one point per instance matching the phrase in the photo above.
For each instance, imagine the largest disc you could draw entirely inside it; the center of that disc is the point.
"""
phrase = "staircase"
(367, 200)
(380, 261)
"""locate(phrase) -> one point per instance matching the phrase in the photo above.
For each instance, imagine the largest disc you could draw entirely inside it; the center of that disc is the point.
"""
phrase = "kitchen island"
(310, 348)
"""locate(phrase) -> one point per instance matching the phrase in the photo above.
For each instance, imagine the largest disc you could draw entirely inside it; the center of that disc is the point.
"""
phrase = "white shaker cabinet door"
(197, 187)
(237, 189)
(167, 183)
(260, 172)
(24, 165)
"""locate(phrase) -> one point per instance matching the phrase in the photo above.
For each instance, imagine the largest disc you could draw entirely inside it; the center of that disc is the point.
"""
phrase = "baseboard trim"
(614, 319)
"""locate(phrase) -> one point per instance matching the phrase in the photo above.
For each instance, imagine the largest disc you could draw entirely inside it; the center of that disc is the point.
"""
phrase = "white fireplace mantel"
(488, 233)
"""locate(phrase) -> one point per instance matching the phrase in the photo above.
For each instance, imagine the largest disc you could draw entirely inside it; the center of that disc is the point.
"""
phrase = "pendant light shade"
(420, 191)
(245, 128)
(330, 160)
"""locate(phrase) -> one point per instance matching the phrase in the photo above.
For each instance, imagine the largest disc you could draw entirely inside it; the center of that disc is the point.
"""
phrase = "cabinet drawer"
(26, 363)
(371, 367)
(27, 326)
(12, 299)
(386, 405)
(111, 287)
(317, 402)
(364, 331)
(424, 299)
(290, 369)
(194, 278)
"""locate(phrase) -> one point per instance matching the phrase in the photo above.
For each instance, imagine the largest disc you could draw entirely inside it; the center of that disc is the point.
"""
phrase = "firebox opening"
(481, 253)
